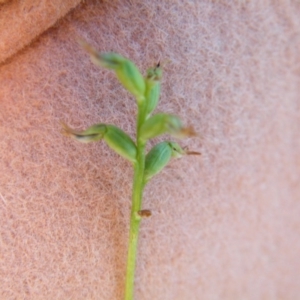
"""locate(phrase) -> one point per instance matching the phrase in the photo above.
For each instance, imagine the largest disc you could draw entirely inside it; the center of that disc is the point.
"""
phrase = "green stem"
(137, 193)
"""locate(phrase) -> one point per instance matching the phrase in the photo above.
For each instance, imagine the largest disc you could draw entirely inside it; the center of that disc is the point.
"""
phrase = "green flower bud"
(164, 123)
(152, 88)
(120, 142)
(159, 156)
(160, 124)
(126, 71)
(152, 96)
(131, 78)
(115, 138)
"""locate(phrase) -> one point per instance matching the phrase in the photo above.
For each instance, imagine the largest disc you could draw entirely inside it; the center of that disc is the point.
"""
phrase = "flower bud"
(152, 96)
(152, 88)
(120, 142)
(157, 158)
(131, 78)
(164, 123)
(115, 138)
(126, 71)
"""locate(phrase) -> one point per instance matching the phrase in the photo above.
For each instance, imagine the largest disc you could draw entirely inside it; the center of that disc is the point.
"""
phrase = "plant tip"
(185, 132)
(87, 47)
(66, 130)
(193, 153)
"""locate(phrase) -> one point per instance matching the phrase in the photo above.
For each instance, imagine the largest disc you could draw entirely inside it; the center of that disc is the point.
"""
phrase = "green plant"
(146, 91)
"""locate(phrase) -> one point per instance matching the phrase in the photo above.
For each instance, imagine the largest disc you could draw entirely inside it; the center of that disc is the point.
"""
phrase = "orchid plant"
(146, 91)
